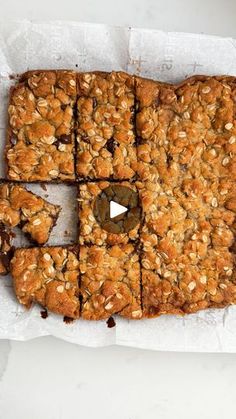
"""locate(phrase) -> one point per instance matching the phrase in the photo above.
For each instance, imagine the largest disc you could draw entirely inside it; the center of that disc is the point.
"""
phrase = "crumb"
(30, 212)
(44, 314)
(111, 322)
(43, 186)
(14, 76)
(68, 320)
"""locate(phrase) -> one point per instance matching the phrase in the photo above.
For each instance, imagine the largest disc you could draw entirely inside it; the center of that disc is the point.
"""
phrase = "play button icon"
(117, 209)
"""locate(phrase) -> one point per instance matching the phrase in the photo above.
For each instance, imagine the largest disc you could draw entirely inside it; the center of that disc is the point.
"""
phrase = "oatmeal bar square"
(187, 146)
(33, 214)
(186, 127)
(47, 276)
(95, 224)
(110, 282)
(105, 126)
(40, 140)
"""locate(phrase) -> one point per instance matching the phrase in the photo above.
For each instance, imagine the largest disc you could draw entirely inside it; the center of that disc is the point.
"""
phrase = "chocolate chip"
(95, 102)
(111, 322)
(68, 320)
(111, 145)
(139, 141)
(44, 314)
(65, 139)
(169, 159)
(5, 260)
(43, 186)
(132, 119)
(85, 138)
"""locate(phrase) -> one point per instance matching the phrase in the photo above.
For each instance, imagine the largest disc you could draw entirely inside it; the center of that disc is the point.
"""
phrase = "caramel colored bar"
(40, 143)
(105, 128)
(49, 277)
(110, 282)
(186, 152)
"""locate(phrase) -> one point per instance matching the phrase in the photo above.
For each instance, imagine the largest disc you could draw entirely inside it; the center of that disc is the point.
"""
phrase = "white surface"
(51, 379)
(116, 209)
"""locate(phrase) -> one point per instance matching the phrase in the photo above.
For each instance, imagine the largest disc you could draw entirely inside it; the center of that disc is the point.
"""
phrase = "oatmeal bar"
(40, 143)
(35, 216)
(6, 249)
(95, 224)
(187, 170)
(110, 282)
(105, 126)
(49, 277)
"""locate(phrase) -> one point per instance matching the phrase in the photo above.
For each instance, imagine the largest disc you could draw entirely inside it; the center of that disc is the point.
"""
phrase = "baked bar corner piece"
(47, 276)
(110, 282)
(105, 126)
(33, 214)
(6, 249)
(177, 124)
(40, 140)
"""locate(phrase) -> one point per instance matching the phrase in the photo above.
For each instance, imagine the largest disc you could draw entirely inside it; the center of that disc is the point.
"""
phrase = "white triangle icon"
(116, 209)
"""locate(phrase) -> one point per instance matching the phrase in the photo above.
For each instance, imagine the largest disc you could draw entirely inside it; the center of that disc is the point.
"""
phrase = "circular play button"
(117, 210)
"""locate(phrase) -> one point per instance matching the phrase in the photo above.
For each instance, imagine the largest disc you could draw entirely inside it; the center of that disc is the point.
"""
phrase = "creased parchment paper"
(165, 56)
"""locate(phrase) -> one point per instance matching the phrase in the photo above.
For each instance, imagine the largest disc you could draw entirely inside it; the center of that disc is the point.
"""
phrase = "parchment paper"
(159, 55)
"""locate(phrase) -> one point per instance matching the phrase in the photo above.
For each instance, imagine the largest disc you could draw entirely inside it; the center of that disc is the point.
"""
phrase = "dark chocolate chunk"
(6, 249)
(111, 322)
(44, 314)
(95, 103)
(68, 320)
(111, 145)
(64, 139)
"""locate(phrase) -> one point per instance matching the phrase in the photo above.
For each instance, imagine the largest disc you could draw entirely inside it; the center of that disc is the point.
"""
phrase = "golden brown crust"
(49, 277)
(184, 157)
(105, 128)
(110, 282)
(35, 216)
(186, 154)
(40, 137)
